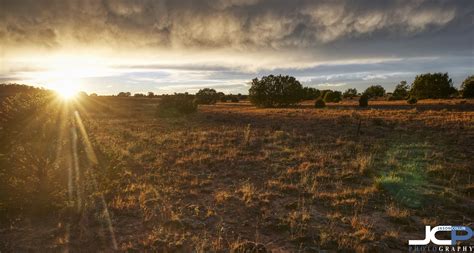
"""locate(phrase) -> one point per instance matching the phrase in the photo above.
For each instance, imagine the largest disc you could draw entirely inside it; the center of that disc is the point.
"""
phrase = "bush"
(176, 105)
(319, 103)
(350, 93)
(311, 93)
(275, 91)
(207, 96)
(333, 96)
(467, 87)
(29, 140)
(412, 100)
(375, 91)
(437, 85)
(124, 94)
(234, 99)
(400, 92)
(364, 100)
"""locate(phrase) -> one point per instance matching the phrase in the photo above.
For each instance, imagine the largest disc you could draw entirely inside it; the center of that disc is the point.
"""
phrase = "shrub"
(234, 99)
(412, 100)
(275, 91)
(176, 105)
(207, 96)
(311, 93)
(319, 103)
(467, 87)
(223, 99)
(333, 96)
(400, 92)
(350, 93)
(124, 94)
(375, 91)
(364, 100)
(28, 168)
(437, 85)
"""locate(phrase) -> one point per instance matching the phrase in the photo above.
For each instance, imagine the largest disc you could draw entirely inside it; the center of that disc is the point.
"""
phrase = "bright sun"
(65, 91)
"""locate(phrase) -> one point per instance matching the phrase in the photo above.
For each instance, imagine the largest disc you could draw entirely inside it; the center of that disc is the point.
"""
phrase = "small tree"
(467, 87)
(333, 96)
(311, 93)
(364, 100)
(138, 95)
(207, 96)
(375, 91)
(401, 91)
(275, 91)
(350, 93)
(437, 85)
(319, 103)
(151, 94)
(234, 99)
(221, 96)
(124, 94)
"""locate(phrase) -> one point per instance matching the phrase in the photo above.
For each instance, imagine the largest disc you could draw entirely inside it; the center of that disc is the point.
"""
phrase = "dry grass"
(289, 179)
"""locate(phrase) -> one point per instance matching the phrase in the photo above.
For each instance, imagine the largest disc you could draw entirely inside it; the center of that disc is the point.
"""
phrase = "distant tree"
(151, 94)
(221, 96)
(437, 85)
(319, 103)
(138, 95)
(207, 96)
(275, 91)
(401, 91)
(93, 95)
(350, 93)
(233, 99)
(82, 94)
(124, 94)
(322, 93)
(467, 87)
(333, 96)
(375, 91)
(364, 100)
(310, 93)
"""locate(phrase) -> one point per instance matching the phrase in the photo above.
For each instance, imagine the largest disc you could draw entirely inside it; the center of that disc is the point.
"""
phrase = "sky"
(166, 46)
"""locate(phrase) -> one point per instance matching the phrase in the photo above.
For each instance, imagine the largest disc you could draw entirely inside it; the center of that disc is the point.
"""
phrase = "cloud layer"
(225, 36)
(237, 24)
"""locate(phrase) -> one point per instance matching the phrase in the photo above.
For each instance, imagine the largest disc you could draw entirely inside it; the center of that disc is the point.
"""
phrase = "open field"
(294, 180)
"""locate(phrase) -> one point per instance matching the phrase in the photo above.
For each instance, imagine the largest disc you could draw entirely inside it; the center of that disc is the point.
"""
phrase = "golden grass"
(288, 179)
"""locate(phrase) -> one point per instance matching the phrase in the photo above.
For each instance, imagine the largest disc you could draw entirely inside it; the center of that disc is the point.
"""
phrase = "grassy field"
(233, 176)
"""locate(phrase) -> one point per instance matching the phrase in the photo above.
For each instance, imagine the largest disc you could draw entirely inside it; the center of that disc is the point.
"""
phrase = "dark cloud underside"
(260, 36)
(240, 24)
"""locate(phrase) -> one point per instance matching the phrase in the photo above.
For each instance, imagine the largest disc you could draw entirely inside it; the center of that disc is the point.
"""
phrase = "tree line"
(282, 91)
(286, 91)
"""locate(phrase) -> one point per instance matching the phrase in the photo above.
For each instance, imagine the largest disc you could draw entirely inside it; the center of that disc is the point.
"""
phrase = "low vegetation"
(105, 173)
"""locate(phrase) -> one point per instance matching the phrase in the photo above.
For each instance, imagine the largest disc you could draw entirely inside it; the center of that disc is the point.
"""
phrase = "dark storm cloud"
(177, 44)
(335, 28)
